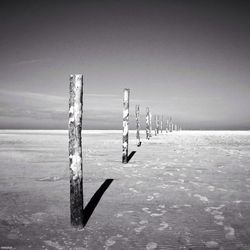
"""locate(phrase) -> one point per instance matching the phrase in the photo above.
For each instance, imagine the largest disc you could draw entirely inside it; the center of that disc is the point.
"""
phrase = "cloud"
(31, 61)
(40, 111)
(51, 111)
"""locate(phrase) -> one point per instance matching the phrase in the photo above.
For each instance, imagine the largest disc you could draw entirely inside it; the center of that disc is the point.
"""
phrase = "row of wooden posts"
(75, 142)
(170, 126)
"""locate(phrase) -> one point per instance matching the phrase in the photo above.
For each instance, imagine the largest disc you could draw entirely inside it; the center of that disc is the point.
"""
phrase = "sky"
(185, 59)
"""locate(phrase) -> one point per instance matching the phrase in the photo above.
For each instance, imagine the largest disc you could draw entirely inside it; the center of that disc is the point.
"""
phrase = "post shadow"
(131, 155)
(89, 209)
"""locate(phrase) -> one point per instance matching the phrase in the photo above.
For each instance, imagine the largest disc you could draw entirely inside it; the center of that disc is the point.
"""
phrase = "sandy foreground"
(184, 190)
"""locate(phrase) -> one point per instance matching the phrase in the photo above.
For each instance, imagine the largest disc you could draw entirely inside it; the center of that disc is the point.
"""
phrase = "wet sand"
(184, 190)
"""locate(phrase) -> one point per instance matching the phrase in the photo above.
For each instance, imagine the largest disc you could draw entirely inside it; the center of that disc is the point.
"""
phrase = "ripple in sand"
(53, 244)
(156, 195)
(156, 215)
(151, 245)
(146, 210)
(183, 188)
(142, 222)
(211, 188)
(13, 235)
(111, 241)
(163, 226)
(194, 183)
(161, 206)
(118, 215)
(159, 167)
(211, 244)
(163, 186)
(167, 173)
(230, 233)
(133, 190)
(218, 215)
(204, 199)
(139, 229)
(50, 178)
(139, 182)
(150, 198)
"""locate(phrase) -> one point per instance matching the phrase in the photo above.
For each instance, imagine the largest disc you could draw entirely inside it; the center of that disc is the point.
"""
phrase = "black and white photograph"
(124, 125)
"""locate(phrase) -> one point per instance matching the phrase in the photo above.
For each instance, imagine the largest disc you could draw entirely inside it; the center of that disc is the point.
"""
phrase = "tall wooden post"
(125, 125)
(147, 123)
(75, 150)
(137, 118)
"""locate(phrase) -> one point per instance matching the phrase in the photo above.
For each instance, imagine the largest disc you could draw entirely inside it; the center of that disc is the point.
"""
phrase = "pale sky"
(185, 59)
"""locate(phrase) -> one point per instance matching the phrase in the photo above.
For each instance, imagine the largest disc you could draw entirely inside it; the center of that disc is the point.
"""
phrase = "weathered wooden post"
(137, 118)
(125, 125)
(147, 123)
(75, 149)
(161, 124)
(170, 125)
(150, 124)
(155, 124)
(167, 126)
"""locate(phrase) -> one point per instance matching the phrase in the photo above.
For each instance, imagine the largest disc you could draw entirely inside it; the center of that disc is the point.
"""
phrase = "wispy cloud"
(36, 108)
(31, 61)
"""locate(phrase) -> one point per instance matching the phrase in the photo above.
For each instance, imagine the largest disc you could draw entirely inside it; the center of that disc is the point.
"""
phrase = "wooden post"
(75, 150)
(125, 125)
(155, 124)
(161, 124)
(150, 124)
(170, 125)
(137, 118)
(167, 126)
(147, 123)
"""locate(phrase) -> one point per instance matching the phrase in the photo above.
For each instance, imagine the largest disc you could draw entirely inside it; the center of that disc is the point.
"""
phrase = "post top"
(76, 75)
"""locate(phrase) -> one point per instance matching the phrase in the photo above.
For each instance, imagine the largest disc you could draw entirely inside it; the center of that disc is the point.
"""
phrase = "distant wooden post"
(167, 126)
(125, 125)
(75, 150)
(155, 124)
(147, 123)
(150, 124)
(170, 125)
(161, 124)
(137, 118)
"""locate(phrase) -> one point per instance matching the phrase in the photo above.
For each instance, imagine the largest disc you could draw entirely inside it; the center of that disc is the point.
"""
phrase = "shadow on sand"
(89, 209)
